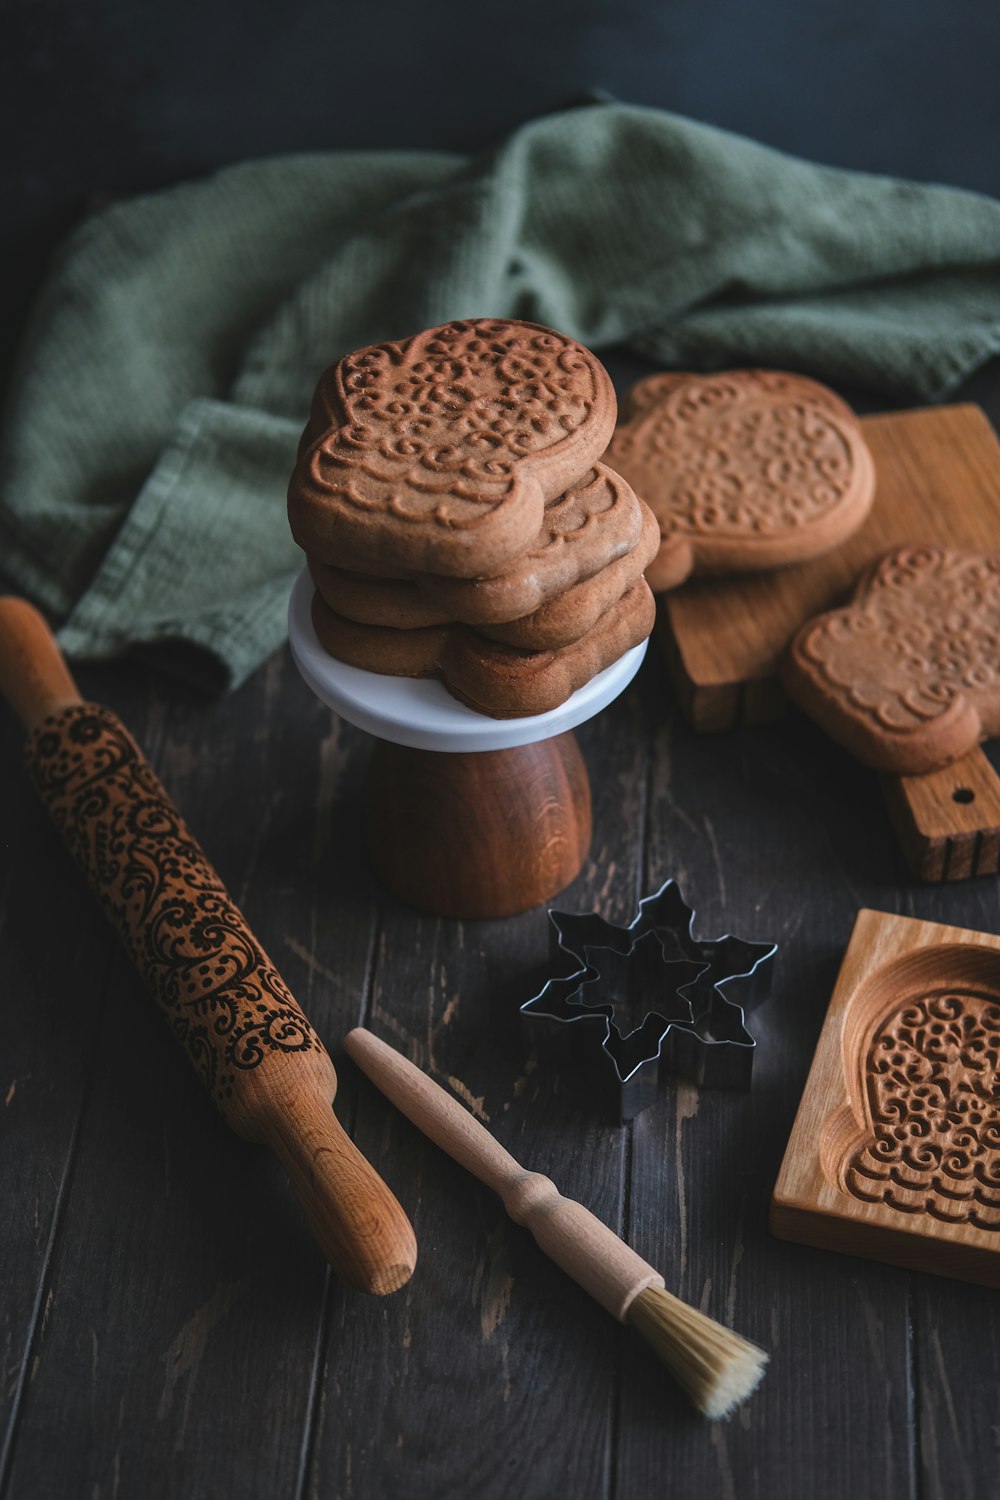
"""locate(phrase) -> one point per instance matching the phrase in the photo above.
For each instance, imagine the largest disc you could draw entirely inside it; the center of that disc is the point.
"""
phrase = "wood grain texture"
(948, 821)
(938, 480)
(567, 1232)
(494, 1339)
(895, 1151)
(484, 834)
(726, 817)
(180, 1257)
(48, 1063)
(245, 1035)
(228, 1362)
(180, 1296)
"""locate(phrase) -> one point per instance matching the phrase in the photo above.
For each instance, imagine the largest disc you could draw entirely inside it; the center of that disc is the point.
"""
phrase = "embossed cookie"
(565, 618)
(733, 385)
(438, 453)
(497, 680)
(396, 602)
(745, 470)
(595, 542)
(907, 676)
(596, 520)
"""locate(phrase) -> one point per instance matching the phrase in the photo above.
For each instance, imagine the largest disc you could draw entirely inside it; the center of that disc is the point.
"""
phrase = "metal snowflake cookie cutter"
(659, 994)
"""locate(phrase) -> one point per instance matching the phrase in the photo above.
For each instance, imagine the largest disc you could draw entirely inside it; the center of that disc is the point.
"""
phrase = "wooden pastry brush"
(717, 1368)
(265, 1067)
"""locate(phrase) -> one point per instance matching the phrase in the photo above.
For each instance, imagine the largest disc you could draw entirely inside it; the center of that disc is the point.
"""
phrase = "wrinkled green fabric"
(153, 419)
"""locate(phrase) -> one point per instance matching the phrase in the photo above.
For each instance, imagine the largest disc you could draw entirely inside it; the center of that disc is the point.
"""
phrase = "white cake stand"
(468, 816)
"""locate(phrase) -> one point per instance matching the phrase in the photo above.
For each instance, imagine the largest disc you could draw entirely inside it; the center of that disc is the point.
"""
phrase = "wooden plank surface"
(524, 1344)
(725, 817)
(938, 480)
(177, 1330)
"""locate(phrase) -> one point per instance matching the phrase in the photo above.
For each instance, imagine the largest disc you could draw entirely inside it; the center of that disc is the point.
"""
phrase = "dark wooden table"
(169, 1328)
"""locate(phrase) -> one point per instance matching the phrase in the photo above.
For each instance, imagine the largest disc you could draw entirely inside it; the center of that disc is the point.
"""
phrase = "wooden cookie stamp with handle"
(227, 1005)
(938, 482)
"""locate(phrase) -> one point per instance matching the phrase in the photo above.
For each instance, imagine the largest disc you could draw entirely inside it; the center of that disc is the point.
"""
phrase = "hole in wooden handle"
(963, 794)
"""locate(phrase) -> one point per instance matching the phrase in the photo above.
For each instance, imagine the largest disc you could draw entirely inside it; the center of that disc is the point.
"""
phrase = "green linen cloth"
(167, 373)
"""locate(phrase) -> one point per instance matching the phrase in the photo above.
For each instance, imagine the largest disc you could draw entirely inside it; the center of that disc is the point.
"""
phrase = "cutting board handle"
(948, 821)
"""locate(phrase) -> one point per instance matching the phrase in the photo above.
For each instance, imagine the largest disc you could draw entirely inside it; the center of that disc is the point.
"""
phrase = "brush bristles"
(715, 1366)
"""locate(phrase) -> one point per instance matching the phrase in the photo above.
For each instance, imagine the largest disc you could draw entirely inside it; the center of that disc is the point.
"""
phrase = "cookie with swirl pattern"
(565, 618)
(745, 470)
(907, 676)
(438, 453)
(595, 541)
(495, 679)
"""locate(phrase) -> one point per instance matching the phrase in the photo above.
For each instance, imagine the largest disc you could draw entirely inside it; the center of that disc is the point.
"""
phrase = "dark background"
(117, 97)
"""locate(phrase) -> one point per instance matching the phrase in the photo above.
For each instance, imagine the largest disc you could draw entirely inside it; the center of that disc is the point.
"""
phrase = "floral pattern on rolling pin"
(932, 1097)
(907, 676)
(225, 1001)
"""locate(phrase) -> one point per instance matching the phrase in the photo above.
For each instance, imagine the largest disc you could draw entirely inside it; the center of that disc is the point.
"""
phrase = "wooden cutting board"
(895, 1150)
(938, 480)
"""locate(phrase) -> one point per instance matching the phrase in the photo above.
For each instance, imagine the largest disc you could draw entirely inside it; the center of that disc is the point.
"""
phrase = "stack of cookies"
(457, 522)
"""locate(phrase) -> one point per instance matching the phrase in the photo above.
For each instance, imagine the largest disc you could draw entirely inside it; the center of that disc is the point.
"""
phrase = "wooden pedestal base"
(483, 834)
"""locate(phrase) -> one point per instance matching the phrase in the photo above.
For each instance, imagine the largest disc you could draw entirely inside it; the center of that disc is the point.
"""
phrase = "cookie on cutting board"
(746, 470)
(907, 676)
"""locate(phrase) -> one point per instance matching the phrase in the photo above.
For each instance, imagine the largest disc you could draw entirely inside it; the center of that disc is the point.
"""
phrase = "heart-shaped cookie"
(745, 470)
(495, 679)
(563, 619)
(593, 542)
(557, 621)
(592, 523)
(437, 454)
(907, 676)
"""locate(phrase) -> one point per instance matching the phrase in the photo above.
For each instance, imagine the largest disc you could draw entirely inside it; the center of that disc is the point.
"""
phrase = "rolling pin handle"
(356, 1220)
(34, 677)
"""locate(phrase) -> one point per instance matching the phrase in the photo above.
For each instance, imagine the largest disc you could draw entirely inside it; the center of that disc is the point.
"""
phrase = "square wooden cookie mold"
(895, 1150)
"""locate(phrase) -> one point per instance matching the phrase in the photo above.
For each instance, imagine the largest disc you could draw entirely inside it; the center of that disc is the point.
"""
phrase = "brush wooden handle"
(569, 1234)
(225, 1001)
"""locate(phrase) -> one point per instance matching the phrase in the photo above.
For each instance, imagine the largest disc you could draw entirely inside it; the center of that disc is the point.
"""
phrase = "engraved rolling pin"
(717, 1367)
(228, 1006)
